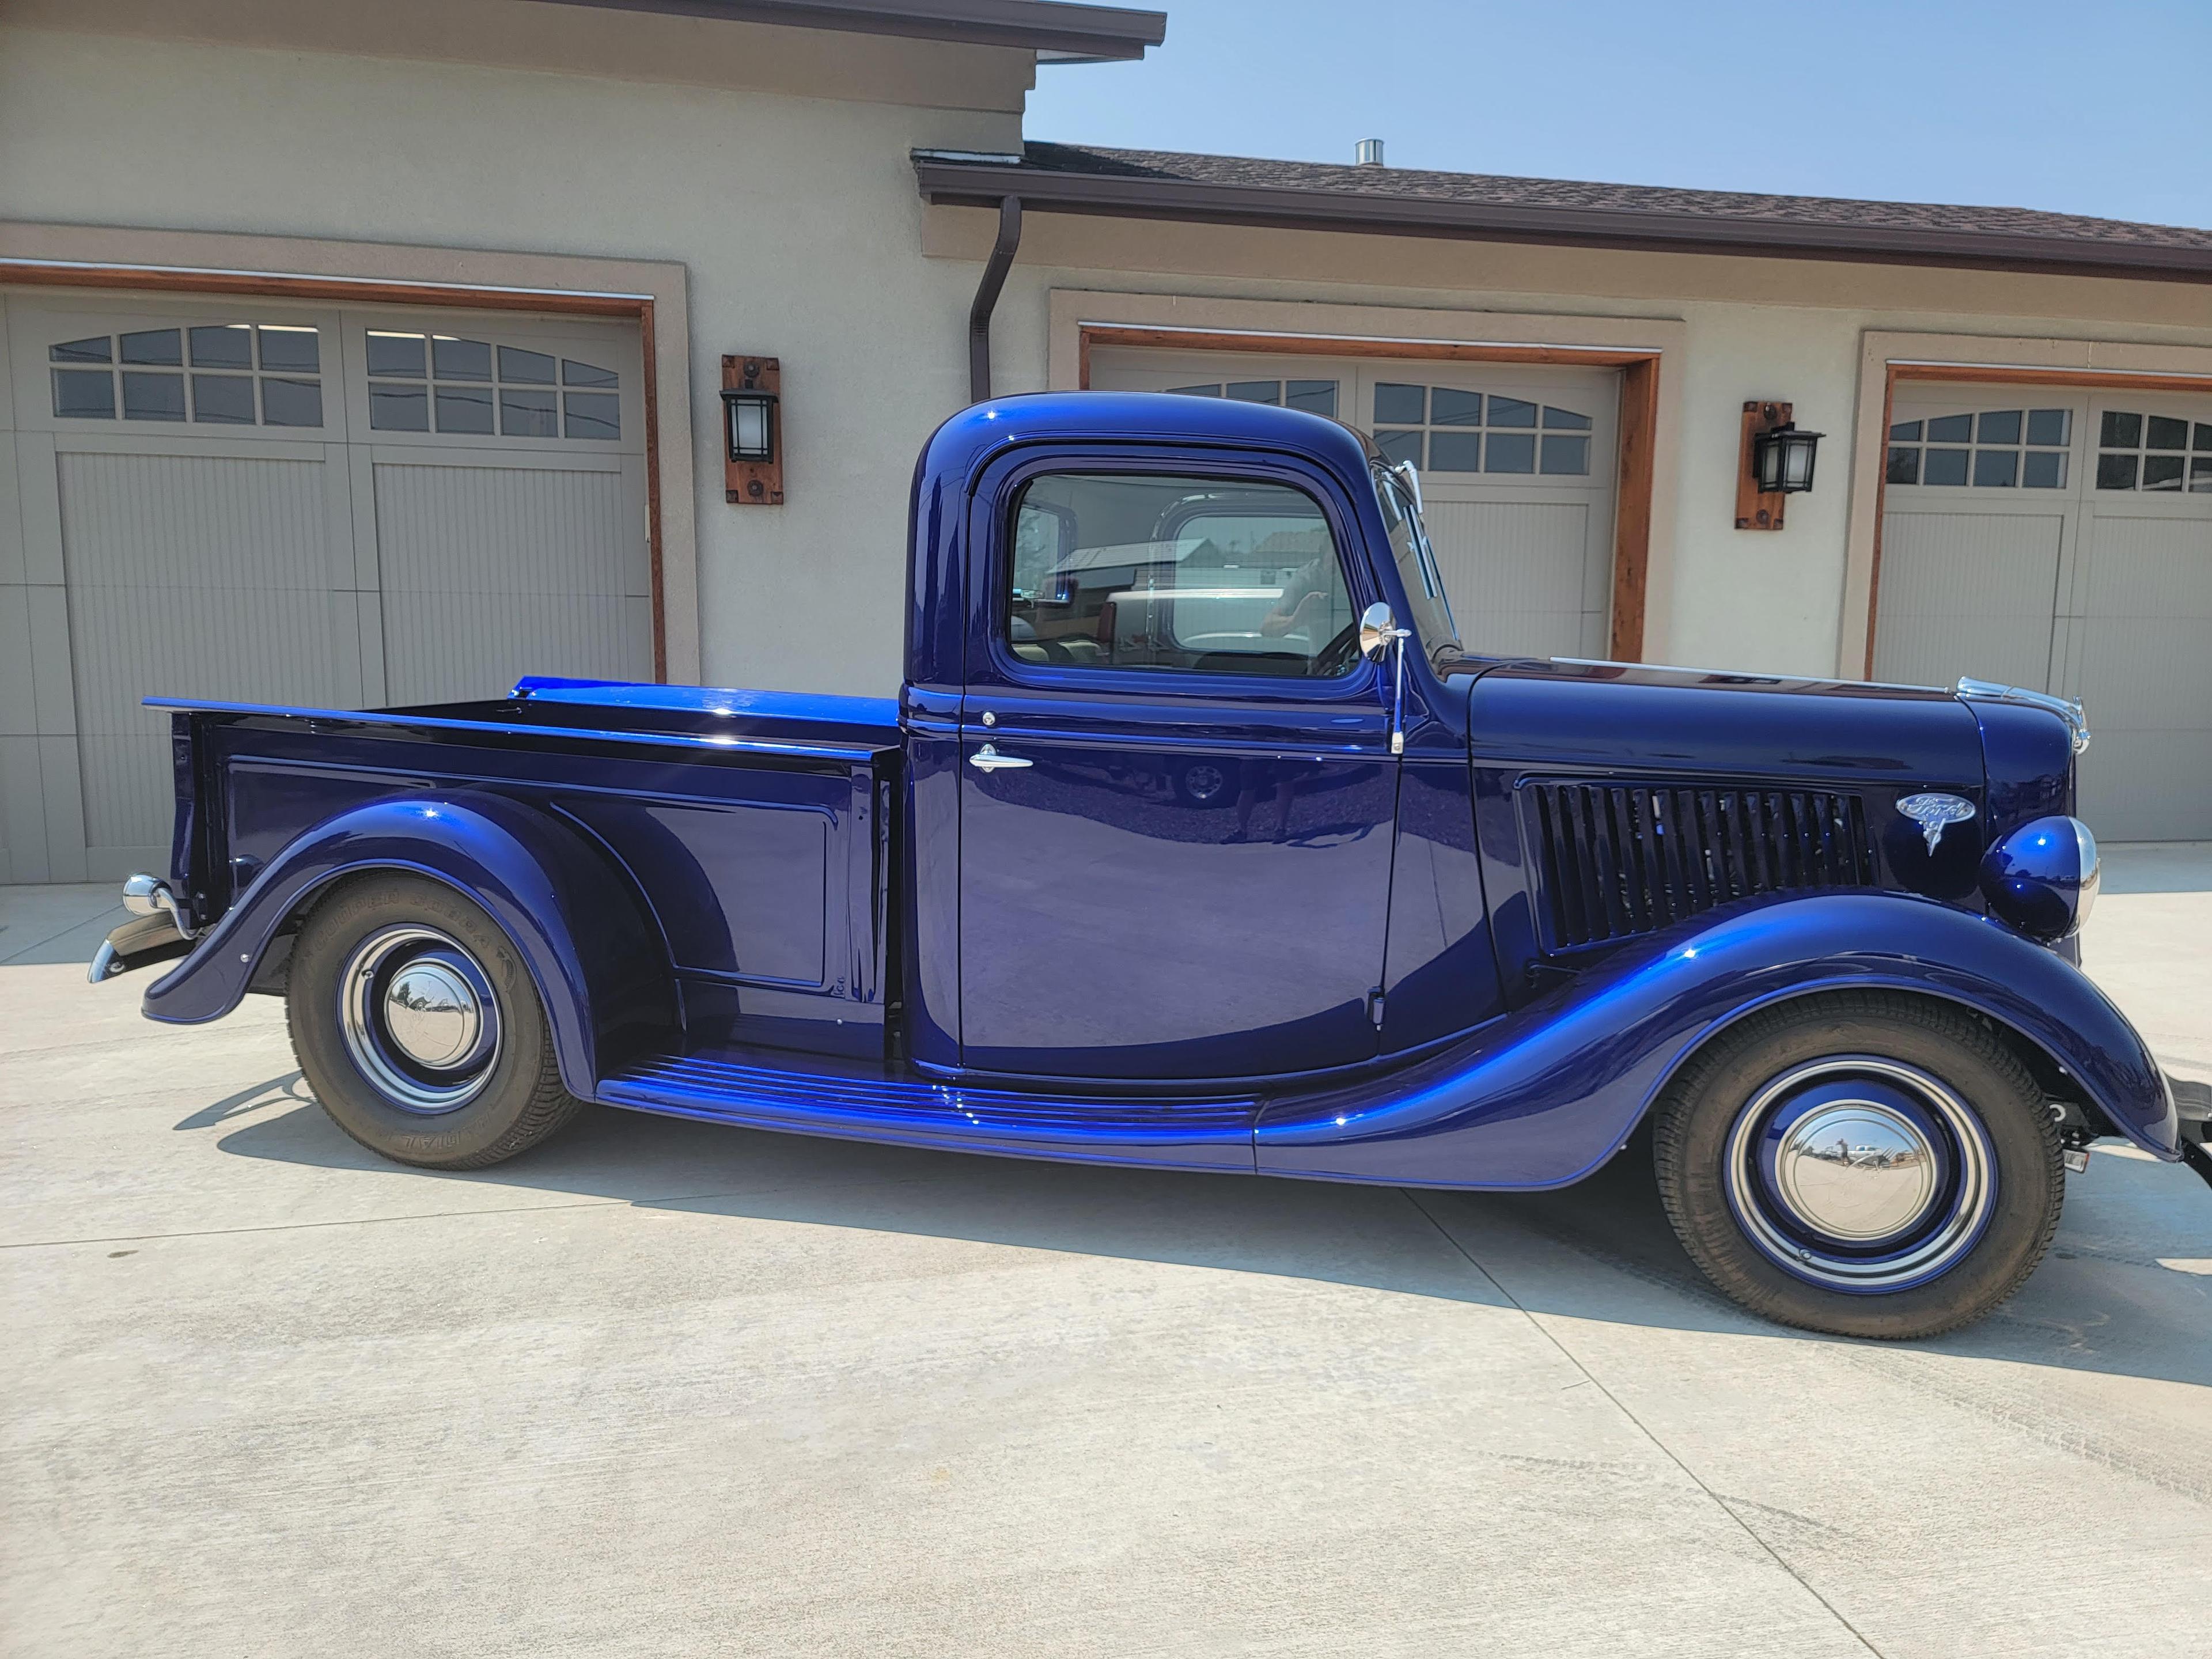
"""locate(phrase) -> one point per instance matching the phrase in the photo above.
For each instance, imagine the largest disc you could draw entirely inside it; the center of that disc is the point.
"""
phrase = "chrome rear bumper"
(157, 931)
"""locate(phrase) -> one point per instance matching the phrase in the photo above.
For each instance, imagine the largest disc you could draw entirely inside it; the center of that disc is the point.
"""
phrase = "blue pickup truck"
(1195, 839)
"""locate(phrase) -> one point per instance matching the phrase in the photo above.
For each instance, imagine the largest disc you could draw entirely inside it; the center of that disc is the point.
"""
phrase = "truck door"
(1177, 792)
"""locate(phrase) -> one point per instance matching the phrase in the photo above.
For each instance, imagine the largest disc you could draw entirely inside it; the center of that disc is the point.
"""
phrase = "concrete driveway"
(666, 1388)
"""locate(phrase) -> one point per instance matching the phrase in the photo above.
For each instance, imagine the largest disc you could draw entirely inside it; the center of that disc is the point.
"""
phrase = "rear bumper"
(157, 931)
(138, 943)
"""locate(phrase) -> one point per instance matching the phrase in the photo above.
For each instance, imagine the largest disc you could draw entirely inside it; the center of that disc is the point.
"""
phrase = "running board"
(1213, 1133)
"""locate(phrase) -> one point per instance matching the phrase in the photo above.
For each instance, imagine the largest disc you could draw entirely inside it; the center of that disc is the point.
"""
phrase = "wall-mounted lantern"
(751, 424)
(1775, 461)
(751, 431)
(1782, 456)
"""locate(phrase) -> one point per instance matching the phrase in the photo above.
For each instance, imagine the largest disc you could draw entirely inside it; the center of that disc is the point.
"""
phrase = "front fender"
(1543, 1096)
(593, 953)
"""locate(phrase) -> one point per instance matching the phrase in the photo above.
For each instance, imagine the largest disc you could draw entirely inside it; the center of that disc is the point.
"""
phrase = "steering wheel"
(1338, 656)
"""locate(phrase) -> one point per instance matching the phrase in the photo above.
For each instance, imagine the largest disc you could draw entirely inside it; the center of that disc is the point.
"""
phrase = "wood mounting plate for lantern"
(753, 483)
(1755, 511)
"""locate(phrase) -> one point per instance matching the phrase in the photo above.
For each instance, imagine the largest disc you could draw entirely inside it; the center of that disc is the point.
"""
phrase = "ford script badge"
(1935, 813)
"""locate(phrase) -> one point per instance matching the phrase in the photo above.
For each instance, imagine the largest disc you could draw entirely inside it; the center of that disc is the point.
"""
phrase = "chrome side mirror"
(1377, 629)
(1378, 633)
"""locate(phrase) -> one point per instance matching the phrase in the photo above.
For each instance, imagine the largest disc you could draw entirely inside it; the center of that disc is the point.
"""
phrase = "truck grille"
(1623, 859)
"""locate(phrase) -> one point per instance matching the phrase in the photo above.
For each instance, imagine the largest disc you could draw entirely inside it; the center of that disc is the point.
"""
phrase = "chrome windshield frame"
(1402, 482)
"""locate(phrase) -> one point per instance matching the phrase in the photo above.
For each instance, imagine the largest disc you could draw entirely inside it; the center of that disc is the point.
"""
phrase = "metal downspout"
(986, 297)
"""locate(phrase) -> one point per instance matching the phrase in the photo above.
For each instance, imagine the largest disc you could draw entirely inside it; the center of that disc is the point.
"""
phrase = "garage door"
(1517, 469)
(2063, 542)
(277, 503)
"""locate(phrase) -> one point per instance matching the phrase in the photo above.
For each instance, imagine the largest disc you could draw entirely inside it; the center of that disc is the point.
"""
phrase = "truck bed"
(753, 826)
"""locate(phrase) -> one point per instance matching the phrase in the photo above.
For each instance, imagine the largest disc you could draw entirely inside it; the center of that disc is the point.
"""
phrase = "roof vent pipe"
(1369, 152)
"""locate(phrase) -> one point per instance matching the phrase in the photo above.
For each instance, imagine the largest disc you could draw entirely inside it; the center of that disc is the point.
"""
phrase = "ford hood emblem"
(1935, 813)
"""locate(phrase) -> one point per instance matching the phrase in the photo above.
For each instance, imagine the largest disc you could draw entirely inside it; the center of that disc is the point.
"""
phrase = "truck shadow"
(2104, 1301)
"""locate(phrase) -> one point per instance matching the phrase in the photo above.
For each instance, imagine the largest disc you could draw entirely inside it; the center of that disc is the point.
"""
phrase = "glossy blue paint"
(1542, 1097)
(870, 720)
(1208, 1132)
(1690, 728)
(1155, 944)
(2027, 757)
(1442, 976)
(2043, 876)
(760, 873)
(1197, 961)
(571, 916)
(698, 736)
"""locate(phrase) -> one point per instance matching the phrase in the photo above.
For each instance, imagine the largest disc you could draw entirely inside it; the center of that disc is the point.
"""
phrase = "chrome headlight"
(2043, 876)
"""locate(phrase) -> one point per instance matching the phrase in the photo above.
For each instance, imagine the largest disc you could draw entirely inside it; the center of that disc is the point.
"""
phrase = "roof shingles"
(1412, 184)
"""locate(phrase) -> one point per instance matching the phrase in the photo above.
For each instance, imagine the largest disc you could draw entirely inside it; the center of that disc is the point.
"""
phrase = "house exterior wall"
(1791, 330)
(795, 218)
(769, 167)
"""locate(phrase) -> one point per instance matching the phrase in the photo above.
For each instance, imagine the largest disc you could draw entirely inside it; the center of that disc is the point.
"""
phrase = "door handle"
(988, 759)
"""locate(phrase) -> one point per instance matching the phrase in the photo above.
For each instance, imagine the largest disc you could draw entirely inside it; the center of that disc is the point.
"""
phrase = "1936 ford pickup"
(1195, 839)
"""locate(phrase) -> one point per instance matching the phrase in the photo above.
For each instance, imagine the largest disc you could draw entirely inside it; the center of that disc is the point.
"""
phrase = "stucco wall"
(796, 218)
(1783, 329)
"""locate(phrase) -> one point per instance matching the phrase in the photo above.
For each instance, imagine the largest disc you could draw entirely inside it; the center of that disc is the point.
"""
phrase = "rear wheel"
(419, 1028)
(1865, 1164)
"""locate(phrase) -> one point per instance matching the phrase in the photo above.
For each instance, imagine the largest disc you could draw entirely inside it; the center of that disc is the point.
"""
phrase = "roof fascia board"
(1046, 191)
(1065, 33)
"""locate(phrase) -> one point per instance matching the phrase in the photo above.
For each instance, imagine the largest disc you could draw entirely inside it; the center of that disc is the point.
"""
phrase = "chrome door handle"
(988, 759)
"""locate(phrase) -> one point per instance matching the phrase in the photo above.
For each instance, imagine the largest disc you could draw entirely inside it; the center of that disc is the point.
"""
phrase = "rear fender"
(573, 915)
(1543, 1096)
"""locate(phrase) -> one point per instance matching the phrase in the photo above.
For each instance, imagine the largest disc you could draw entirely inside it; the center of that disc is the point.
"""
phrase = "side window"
(1206, 575)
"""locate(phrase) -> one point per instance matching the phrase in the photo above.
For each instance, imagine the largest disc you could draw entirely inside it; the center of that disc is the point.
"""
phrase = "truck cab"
(1175, 770)
(1197, 837)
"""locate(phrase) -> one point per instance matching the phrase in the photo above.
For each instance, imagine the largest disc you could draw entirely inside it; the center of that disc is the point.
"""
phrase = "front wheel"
(419, 1028)
(1864, 1163)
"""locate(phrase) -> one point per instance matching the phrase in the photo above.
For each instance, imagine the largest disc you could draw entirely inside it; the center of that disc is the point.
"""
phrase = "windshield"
(1431, 620)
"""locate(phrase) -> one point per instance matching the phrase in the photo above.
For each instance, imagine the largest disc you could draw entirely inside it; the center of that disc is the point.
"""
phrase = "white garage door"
(2063, 541)
(268, 502)
(1517, 469)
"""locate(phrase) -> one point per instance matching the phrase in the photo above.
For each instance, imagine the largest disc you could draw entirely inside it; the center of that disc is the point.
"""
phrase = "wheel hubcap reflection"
(419, 1018)
(1861, 1174)
(1857, 1170)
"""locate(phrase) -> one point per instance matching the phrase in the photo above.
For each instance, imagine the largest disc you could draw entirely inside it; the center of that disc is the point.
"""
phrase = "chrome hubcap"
(432, 1014)
(1856, 1170)
(419, 1018)
(1861, 1174)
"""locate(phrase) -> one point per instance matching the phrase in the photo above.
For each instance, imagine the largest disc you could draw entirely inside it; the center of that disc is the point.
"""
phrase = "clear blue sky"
(2098, 107)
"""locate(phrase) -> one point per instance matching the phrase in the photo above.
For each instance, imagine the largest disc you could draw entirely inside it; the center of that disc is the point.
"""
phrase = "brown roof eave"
(1066, 31)
(1048, 190)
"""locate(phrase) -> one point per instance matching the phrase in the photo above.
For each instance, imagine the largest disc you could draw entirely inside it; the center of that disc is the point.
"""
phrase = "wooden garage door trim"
(1639, 418)
(544, 301)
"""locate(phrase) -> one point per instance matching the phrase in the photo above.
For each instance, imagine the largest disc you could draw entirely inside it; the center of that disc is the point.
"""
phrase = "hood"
(1758, 726)
(1674, 728)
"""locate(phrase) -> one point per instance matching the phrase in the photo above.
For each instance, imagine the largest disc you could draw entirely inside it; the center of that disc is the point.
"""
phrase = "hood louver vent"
(1620, 859)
